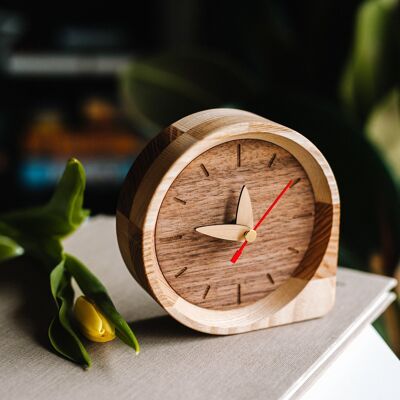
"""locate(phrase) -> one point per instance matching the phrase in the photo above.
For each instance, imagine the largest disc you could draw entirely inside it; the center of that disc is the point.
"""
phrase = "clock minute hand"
(241, 248)
(225, 231)
(244, 213)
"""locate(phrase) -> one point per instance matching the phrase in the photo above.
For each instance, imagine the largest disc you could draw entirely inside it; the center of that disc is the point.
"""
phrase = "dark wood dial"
(206, 192)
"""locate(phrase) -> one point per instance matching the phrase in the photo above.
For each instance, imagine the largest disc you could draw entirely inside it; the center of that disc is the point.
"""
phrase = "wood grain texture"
(154, 173)
(214, 200)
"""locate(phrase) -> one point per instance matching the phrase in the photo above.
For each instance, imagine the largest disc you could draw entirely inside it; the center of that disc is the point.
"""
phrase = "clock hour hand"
(225, 231)
(244, 213)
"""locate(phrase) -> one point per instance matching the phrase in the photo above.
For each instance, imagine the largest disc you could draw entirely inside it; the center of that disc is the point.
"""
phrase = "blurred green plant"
(179, 84)
(372, 66)
(383, 129)
(37, 232)
(343, 99)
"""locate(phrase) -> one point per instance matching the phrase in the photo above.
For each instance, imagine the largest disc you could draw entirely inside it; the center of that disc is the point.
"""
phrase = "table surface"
(175, 362)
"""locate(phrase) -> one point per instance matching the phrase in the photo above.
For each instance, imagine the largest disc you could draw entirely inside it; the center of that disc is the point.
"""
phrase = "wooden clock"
(231, 223)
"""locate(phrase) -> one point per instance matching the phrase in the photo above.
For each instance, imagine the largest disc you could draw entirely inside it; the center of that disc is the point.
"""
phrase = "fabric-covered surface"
(175, 362)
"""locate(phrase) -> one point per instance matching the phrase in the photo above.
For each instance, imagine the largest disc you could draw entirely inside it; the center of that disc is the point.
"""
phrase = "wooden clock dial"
(206, 192)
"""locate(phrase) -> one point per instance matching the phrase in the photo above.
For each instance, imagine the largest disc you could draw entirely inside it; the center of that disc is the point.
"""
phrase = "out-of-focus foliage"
(327, 69)
(383, 129)
(9, 248)
(373, 66)
(178, 85)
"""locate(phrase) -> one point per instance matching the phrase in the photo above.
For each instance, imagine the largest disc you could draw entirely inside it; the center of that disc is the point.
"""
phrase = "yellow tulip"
(92, 323)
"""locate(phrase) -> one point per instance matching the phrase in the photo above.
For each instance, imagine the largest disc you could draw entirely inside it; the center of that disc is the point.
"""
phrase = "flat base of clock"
(315, 301)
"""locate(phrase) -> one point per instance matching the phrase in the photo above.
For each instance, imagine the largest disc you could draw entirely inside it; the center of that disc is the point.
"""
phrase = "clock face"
(196, 261)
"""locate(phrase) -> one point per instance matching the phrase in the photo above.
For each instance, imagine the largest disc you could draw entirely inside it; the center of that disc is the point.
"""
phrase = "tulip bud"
(92, 323)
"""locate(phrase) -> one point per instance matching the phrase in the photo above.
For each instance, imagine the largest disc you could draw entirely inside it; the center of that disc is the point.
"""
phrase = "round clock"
(231, 222)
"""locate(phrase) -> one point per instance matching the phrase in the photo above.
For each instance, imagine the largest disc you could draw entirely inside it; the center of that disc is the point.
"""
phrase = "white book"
(176, 362)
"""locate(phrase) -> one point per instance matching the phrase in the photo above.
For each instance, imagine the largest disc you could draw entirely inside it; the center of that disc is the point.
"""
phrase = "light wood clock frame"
(187, 272)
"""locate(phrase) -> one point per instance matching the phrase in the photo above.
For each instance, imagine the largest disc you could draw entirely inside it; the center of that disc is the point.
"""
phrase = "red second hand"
(244, 244)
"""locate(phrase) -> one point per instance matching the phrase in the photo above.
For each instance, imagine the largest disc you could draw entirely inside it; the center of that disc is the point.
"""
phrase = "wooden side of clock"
(308, 294)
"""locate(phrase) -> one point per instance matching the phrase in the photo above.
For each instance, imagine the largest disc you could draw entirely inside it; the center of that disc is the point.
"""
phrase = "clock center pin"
(250, 235)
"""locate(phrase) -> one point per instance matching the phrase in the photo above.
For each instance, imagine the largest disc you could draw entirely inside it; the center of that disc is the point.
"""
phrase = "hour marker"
(239, 295)
(271, 161)
(305, 215)
(171, 238)
(203, 167)
(206, 291)
(180, 200)
(271, 279)
(296, 181)
(180, 272)
(292, 249)
(239, 150)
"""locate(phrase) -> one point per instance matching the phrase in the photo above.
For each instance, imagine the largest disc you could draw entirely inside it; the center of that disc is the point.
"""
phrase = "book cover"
(176, 362)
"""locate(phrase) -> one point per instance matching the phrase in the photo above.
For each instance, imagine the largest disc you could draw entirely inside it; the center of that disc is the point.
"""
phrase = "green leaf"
(38, 232)
(372, 65)
(48, 251)
(61, 333)
(95, 290)
(9, 248)
(61, 215)
(67, 200)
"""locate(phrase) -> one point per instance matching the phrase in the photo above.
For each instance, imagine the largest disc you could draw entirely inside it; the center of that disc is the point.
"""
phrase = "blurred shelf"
(57, 64)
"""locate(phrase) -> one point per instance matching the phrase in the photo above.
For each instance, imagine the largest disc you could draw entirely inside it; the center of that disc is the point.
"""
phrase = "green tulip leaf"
(9, 248)
(38, 232)
(95, 290)
(61, 215)
(61, 333)
(67, 200)
(47, 251)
